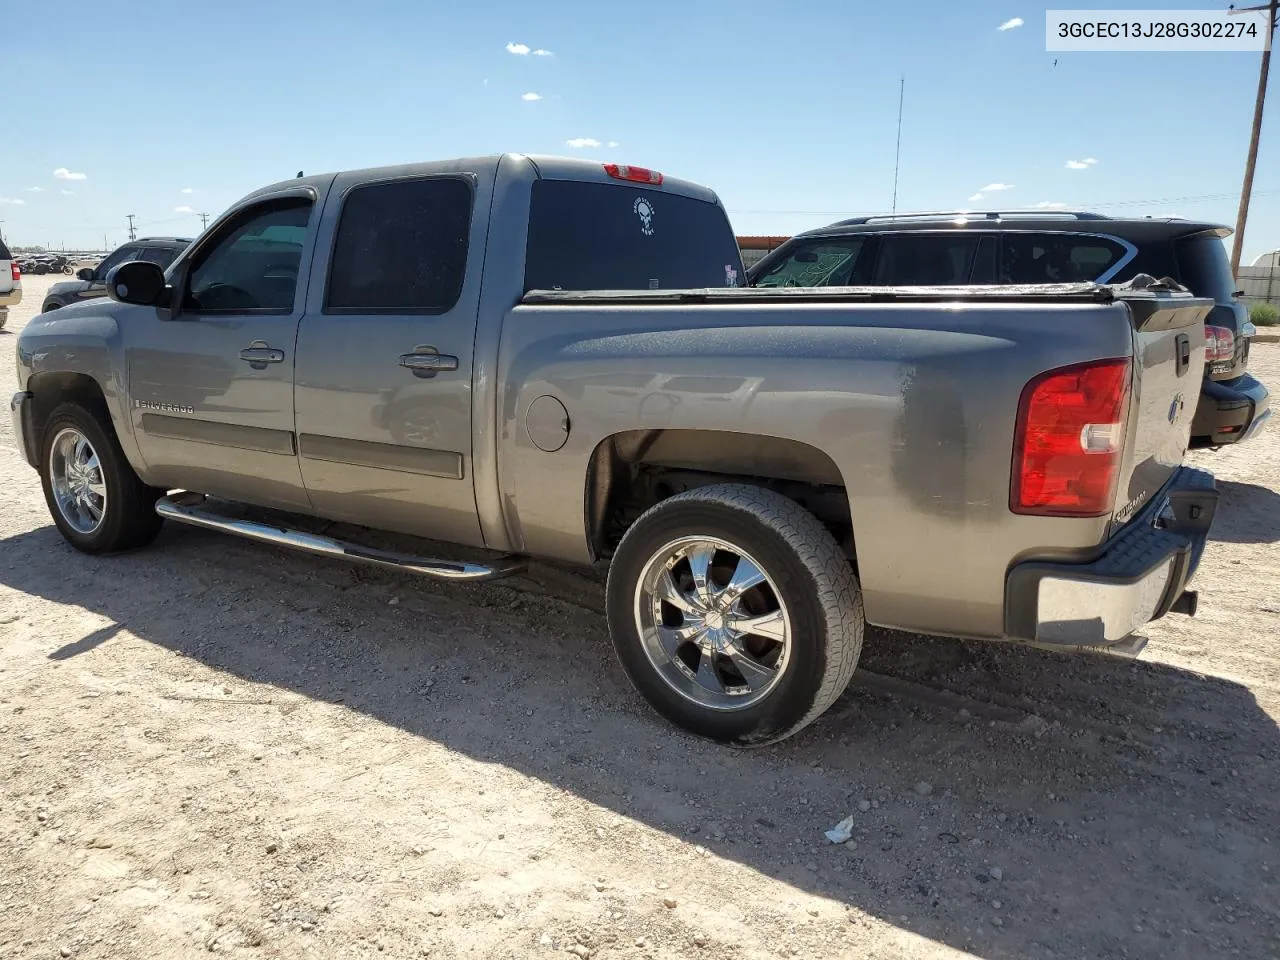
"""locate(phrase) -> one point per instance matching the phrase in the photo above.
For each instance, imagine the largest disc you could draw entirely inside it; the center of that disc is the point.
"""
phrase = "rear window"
(916, 259)
(601, 236)
(160, 256)
(823, 263)
(1056, 258)
(1206, 271)
(4, 252)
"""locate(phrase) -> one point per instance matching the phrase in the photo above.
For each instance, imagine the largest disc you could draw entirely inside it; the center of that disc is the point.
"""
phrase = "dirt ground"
(212, 745)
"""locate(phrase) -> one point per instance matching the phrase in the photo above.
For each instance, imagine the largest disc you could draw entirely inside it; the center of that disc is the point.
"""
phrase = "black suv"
(964, 248)
(89, 283)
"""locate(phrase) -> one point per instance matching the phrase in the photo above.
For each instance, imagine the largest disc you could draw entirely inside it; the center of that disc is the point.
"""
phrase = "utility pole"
(204, 221)
(1247, 190)
(133, 234)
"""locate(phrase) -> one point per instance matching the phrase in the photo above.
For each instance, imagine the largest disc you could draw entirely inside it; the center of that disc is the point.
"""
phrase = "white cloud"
(1084, 164)
(35, 189)
(1011, 24)
(530, 96)
(976, 197)
(1051, 205)
(1089, 160)
(68, 193)
(543, 53)
(62, 173)
(582, 143)
(996, 187)
(187, 190)
(184, 209)
(613, 143)
(14, 201)
(519, 49)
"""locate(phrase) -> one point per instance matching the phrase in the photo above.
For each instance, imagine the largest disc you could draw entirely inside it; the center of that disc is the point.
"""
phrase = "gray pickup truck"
(539, 357)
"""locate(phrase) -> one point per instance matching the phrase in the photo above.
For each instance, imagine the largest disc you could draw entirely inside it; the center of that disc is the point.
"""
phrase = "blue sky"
(787, 110)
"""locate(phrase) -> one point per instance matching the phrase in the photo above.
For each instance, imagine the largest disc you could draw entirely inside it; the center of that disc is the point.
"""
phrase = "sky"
(789, 111)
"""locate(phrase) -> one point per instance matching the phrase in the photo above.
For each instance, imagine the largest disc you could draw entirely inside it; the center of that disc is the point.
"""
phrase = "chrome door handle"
(258, 354)
(428, 364)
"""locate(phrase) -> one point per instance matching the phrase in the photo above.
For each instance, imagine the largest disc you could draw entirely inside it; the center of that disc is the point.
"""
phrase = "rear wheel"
(735, 613)
(96, 500)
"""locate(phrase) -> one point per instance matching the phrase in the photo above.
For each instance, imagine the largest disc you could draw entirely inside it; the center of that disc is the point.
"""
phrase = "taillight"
(1066, 452)
(1219, 344)
(17, 271)
(620, 171)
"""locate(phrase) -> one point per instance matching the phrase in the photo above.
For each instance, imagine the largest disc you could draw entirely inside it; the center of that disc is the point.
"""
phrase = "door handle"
(428, 364)
(258, 354)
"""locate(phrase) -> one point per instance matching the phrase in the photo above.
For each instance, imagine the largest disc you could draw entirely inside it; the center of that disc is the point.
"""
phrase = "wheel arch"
(631, 470)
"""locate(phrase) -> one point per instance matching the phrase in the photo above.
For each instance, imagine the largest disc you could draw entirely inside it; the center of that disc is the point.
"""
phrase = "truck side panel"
(915, 405)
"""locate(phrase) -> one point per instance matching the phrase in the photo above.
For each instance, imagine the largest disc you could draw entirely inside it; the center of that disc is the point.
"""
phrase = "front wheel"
(96, 500)
(735, 613)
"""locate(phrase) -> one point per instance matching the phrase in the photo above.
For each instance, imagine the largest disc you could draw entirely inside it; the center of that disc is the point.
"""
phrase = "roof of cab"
(547, 167)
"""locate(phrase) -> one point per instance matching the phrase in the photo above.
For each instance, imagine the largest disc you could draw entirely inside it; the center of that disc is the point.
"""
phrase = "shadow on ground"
(1247, 513)
(1122, 801)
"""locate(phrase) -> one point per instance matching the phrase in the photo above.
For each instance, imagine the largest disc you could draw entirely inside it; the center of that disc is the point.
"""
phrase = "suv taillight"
(17, 271)
(1219, 344)
(1066, 449)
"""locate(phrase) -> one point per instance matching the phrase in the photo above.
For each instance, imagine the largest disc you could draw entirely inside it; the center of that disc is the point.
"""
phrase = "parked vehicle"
(89, 283)
(10, 283)
(1044, 247)
(523, 355)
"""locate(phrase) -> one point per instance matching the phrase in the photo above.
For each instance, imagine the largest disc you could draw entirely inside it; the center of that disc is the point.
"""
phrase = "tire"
(126, 506)
(51, 305)
(807, 609)
(4, 316)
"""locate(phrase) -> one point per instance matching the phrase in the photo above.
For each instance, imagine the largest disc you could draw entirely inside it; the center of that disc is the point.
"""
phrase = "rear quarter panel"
(915, 404)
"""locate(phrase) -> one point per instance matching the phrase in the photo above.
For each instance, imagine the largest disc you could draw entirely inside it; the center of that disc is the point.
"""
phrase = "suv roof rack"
(1024, 214)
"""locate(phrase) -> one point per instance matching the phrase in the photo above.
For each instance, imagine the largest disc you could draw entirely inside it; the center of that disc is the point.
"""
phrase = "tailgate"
(1168, 352)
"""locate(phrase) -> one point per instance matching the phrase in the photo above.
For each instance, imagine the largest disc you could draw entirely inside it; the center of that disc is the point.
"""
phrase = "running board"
(191, 508)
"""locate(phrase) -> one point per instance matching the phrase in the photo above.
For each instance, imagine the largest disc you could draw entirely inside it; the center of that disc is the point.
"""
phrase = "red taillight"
(1219, 344)
(1066, 453)
(620, 171)
(17, 271)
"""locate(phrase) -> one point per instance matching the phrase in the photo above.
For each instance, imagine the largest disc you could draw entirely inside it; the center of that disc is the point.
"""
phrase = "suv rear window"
(4, 252)
(823, 263)
(1056, 257)
(601, 236)
(1205, 269)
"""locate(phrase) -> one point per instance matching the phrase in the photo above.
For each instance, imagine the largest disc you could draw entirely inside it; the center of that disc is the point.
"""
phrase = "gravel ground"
(215, 745)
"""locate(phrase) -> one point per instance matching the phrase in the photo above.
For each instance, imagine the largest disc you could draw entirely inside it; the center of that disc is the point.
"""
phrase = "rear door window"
(837, 262)
(160, 256)
(401, 247)
(1056, 257)
(926, 259)
(602, 236)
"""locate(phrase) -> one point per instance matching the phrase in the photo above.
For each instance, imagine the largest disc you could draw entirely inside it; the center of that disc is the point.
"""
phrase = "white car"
(10, 283)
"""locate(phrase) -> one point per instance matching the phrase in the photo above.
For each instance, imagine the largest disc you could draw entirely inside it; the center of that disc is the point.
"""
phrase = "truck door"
(210, 379)
(383, 396)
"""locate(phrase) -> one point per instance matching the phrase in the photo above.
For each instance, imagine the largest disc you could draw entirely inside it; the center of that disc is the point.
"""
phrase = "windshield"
(602, 236)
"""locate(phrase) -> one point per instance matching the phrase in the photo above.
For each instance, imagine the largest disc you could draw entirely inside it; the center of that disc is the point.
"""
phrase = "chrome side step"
(191, 508)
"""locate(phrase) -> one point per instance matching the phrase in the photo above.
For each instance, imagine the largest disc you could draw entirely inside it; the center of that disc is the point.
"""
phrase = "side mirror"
(85, 274)
(139, 282)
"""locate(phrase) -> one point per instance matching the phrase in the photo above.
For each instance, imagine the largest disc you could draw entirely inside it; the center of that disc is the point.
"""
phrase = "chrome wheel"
(75, 473)
(712, 623)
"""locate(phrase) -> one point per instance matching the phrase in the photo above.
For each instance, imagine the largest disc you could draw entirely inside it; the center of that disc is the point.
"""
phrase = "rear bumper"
(1140, 576)
(1230, 411)
(11, 298)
